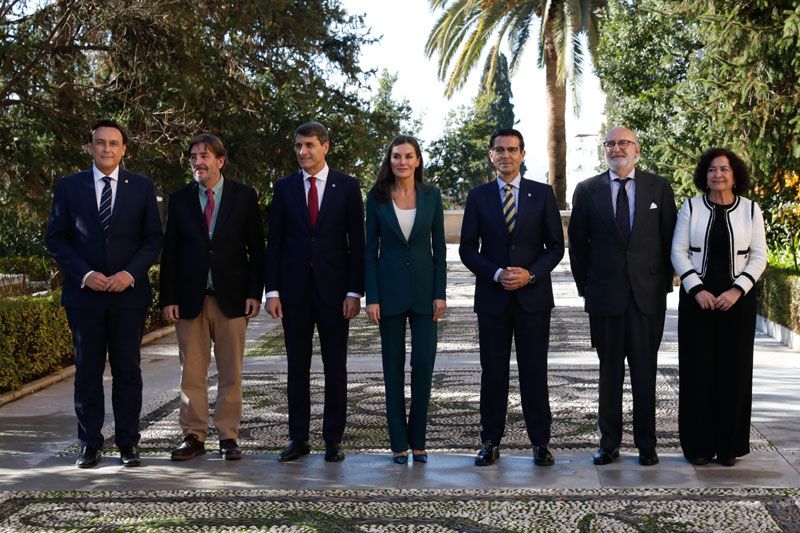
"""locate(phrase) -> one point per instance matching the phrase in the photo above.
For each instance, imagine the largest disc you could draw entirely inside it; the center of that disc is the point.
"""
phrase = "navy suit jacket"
(335, 246)
(77, 242)
(536, 244)
(606, 268)
(234, 253)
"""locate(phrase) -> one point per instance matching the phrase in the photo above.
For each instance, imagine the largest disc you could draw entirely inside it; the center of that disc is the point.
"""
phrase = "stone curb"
(780, 333)
(65, 373)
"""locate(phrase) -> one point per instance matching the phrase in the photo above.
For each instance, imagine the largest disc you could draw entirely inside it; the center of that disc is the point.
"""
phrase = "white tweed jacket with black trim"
(748, 254)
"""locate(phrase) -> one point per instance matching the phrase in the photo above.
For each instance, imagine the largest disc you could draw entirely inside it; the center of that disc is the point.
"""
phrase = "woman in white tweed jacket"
(719, 251)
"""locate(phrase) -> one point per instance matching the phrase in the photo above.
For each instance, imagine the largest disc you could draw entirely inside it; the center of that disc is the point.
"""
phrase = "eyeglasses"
(511, 150)
(623, 144)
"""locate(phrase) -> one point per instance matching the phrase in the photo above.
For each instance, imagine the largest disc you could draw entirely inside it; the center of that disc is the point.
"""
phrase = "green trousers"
(407, 432)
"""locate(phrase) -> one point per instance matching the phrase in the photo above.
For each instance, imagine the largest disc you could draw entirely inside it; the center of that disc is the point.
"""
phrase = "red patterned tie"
(313, 201)
(208, 212)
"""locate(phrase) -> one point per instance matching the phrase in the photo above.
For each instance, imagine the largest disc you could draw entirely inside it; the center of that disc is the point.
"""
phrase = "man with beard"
(620, 234)
(211, 283)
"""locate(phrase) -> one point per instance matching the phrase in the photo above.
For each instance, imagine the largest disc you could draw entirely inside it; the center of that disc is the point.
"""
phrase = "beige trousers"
(194, 350)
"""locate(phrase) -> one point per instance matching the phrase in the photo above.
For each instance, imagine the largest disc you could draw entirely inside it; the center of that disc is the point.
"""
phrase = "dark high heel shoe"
(400, 458)
(421, 457)
(726, 461)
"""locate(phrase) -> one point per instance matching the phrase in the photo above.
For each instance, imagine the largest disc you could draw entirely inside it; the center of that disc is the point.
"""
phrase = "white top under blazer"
(405, 217)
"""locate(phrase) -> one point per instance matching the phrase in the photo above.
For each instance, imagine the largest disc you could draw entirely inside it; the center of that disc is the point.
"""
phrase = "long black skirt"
(715, 352)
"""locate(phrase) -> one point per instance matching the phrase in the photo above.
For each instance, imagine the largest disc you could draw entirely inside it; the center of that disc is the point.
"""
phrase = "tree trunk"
(556, 127)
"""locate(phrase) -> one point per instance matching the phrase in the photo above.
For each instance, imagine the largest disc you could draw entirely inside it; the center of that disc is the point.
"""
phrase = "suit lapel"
(121, 200)
(422, 210)
(387, 210)
(524, 202)
(298, 198)
(89, 195)
(329, 197)
(225, 206)
(492, 199)
(601, 196)
(643, 198)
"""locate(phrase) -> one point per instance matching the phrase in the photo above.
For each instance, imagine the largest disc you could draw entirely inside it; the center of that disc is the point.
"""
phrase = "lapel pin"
(333, 185)
(126, 181)
(529, 195)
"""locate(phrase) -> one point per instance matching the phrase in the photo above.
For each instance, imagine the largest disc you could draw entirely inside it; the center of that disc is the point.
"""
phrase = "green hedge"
(36, 268)
(35, 339)
(155, 318)
(779, 297)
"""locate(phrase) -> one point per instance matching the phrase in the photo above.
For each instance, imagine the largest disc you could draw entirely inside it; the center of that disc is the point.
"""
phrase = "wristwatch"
(532, 279)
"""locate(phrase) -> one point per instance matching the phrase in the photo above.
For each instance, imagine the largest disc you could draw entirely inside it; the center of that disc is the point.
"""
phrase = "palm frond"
(577, 73)
(520, 31)
(546, 21)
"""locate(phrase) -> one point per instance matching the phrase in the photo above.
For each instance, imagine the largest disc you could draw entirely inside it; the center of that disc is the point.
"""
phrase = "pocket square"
(653, 205)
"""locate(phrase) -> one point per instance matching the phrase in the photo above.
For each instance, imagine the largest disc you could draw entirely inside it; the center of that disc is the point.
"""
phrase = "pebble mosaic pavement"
(453, 427)
(505, 510)
(453, 421)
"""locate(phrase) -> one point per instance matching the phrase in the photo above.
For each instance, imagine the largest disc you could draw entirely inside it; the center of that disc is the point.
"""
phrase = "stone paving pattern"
(37, 450)
(413, 510)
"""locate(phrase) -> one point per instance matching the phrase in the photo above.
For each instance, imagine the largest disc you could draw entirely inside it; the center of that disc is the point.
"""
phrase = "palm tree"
(463, 30)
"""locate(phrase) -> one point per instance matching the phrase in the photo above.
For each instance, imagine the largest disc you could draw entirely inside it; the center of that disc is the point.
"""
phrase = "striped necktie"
(105, 205)
(509, 208)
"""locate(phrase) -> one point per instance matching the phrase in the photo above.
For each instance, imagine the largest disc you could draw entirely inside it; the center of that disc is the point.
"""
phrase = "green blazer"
(406, 275)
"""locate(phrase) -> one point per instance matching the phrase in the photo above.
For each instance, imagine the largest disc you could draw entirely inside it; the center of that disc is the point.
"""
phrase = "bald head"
(621, 147)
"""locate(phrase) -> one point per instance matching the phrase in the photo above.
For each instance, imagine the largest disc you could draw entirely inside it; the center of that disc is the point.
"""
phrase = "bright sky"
(405, 26)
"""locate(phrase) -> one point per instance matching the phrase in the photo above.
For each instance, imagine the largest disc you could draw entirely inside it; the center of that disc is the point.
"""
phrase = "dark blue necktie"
(623, 209)
(105, 205)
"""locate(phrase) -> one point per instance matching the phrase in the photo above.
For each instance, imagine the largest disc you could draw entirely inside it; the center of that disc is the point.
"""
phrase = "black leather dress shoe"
(726, 461)
(129, 455)
(699, 461)
(229, 450)
(190, 448)
(89, 457)
(648, 457)
(542, 456)
(334, 453)
(294, 450)
(488, 454)
(604, 457)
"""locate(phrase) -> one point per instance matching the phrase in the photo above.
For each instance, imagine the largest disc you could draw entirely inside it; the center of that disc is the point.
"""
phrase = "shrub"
(779, 297)
(37, 268)
(155, 318)
(34, 339)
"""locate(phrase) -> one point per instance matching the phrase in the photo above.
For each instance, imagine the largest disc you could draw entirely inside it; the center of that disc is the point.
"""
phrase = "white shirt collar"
(114, 175)
(321, 175)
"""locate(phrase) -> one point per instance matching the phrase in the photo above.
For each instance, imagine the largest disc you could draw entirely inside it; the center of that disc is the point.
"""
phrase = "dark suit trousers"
(407, 432)
(531, 334)
(636, 336)
(299, 319)
(119, 333)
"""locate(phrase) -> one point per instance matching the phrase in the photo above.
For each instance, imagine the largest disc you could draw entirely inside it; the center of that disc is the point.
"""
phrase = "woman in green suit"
(405, 282)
